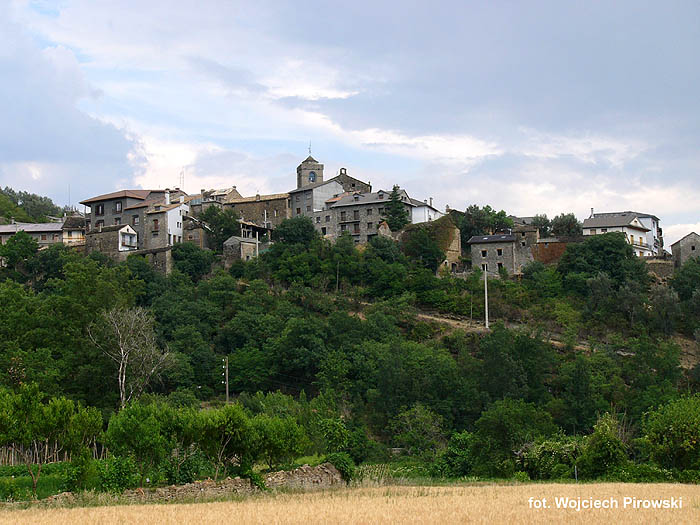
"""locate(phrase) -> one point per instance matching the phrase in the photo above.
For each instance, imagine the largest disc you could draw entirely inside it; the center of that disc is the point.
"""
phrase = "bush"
(604, 450)
(419, 431)
(551, 458)
(458, 459)
(639, 473)
(343, 462)
(521, 477)
(673, 434)
(82, 474)
(118, 474)
(10, 490)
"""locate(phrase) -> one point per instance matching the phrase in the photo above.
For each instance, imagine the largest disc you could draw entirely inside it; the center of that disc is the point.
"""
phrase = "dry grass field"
(395, 504)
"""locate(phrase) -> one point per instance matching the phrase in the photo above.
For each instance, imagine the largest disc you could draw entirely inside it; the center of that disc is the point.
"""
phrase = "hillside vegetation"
(330, 352)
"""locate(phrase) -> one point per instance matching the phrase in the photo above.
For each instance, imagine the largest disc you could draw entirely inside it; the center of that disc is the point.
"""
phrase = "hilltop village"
(151, 222)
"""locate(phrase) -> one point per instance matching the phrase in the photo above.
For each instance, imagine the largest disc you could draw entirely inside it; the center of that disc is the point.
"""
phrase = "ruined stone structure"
(263, 210)
(685, 248)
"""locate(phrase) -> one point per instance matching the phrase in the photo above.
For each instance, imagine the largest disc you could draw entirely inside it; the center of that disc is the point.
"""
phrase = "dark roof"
(134, 194)
(638, 214)
(371, 198)
(314, 185)
(74, 223)
(31, 227)
(484, 239)
(613, 221)
(683, 238)
(309, 159)
(111, 228)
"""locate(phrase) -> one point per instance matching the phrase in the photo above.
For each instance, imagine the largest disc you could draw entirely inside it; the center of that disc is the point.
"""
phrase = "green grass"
(19, 488)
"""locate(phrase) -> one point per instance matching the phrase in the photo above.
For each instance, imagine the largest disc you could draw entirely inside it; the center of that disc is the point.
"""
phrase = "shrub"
(458, 459)
(604, 449)
(82, 474)
(639, 473)
(118, 474)
(521, 477)
(551, 458)
(343, 462)
(419, 431)
(673, 433)
(10, 490)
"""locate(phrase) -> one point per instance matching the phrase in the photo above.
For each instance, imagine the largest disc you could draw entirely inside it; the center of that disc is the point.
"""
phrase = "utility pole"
(486, 297)
(225, 374)
(337, 277)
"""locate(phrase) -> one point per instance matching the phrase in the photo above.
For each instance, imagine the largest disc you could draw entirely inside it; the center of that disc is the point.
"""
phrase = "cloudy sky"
(532, 107)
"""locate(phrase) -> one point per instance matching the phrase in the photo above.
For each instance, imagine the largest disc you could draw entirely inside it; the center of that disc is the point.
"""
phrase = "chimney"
(202, 191)
(591, 213)
(447, 208)
(425, 201)
(431, 202)
(257, 196)
(167, 196)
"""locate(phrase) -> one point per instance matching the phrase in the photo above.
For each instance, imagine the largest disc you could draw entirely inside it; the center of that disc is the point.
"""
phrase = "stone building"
(491, 253)
(264, 210)
(163, 224)
(312, 191)
(67, 230)
(113, 240)
(204, 199)
(127, 207)
(445, 232)
(685, 248)
(252, 241)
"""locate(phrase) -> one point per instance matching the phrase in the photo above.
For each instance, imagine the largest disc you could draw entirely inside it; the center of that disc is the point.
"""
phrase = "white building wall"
(424, 214)
(175, 220)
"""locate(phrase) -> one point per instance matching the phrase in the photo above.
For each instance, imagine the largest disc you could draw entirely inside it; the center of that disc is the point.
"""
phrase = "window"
(323, 230)
(156, 226)
(308, 208)
(523, 243)
(117, 220)
(499, 251)
(328, 218)
(318, 219)
(381, 211)
(70, 234)
(307, 195)
(692, 248)
(343, 215)
(593, 231)
(483, 253)
(370, 225)
(485, 267)
(369, 212)
(275, 213)
(118, 207)
(99, 224)
(343, 227)
(43, 236)
(356, 215)
(357, 228)
(522, 234)
(100, 209)
(298, 198)
(135, 220)
(603, 230)
(500, 266)
(170, 239)
(190, 237)
(55, 236)
(298, 211)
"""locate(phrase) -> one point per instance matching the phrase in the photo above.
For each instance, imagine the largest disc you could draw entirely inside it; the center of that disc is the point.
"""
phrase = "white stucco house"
(636, 233)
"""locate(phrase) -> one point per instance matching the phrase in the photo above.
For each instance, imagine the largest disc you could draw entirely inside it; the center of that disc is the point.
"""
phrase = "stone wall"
(303, 478)
(261, 207)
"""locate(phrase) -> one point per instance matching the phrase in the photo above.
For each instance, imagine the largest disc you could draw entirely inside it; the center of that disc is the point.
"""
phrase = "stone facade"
(490, 253)
(263, 210)
(685, 248)
(549, 250)
(127, 207)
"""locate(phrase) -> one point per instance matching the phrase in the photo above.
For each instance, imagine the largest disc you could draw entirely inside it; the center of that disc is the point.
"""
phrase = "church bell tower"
(309, 172)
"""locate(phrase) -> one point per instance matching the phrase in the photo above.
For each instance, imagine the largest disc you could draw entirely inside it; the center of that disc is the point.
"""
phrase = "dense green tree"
(673, 432)
(543, 225)
(298, 230)
(420, 431)
(686, 280)
(222, 225)
(502, 430)
(18, 252)
(566, 225)
(421, 247)
(395, 213)
(192, 260)
(281, 439)
(604, 449)
(483, 221)
(608, 253)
